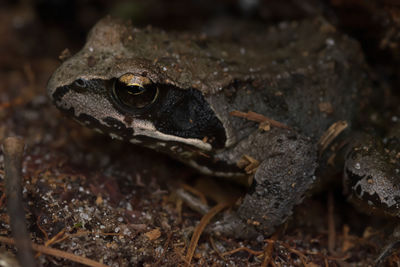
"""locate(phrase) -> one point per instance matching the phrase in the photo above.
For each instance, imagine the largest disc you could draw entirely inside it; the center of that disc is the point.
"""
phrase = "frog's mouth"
(173, 116)
(188, 151)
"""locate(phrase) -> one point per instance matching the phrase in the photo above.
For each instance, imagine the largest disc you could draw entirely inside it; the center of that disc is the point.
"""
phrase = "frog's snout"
(371, 180)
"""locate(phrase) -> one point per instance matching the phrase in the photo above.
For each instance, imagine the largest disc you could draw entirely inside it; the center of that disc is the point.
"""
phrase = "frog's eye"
(134, 91)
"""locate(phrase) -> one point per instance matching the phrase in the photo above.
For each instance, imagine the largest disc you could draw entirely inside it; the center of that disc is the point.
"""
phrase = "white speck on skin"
(114, 136)
(357, 166)
(97, 130)
(135, 141)
(330, 42)
(161, 144)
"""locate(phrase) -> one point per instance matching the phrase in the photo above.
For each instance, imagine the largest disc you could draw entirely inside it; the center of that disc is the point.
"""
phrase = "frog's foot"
(232, 225)
(280, 182)
(372, 175)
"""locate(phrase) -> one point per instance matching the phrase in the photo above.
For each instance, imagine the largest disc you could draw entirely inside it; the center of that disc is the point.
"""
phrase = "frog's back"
(303, 74)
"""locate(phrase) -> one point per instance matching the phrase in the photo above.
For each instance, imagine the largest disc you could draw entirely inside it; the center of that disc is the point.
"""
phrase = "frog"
(194, 97)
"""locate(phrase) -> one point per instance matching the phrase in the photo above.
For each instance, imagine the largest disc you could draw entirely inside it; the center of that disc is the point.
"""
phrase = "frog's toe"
(231, 225)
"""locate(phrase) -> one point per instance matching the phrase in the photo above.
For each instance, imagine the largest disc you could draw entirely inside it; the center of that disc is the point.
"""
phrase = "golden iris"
(133, 91)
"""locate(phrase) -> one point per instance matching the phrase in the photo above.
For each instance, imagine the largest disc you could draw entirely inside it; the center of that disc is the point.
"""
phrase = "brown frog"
(181, 94)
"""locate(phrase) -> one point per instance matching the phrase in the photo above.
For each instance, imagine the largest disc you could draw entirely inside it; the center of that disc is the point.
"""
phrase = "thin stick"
(302, 257)
(331, 224)
(57, 253)
(216, 249)
(329, 135)
(13, 150)
(165, 248)
(253, 252)
(193, 202)
(268, 250)
(200, 227)
(252, 116)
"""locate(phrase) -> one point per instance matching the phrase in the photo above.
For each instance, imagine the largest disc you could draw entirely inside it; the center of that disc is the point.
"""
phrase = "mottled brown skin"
(372, 173)
(285, 73)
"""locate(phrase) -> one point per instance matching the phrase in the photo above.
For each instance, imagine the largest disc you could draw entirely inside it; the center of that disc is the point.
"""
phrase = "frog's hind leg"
(280, 182)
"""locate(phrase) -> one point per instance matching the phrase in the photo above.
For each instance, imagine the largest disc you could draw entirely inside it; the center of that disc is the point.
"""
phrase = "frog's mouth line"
(185, 152)
(146, 136)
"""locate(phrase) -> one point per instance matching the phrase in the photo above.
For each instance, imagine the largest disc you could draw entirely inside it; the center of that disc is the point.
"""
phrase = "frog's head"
(107, 87)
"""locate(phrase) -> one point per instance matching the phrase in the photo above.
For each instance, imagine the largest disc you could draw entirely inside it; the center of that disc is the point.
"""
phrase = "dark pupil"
(135, 96)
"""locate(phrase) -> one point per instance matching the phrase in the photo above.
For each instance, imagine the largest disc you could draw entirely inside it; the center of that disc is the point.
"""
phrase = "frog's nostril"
(80, 83)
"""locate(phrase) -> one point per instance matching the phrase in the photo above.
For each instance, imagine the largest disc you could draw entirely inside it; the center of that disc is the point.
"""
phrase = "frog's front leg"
(286, 172)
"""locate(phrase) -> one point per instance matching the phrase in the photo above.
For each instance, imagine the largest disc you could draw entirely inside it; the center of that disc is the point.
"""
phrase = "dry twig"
(195, 192)
(268, 250)
(2, 199)
(329, 135)
(252, 116)
(331, 224)
(216, 249)
(193, 202)
(200, 227)
(13, 148)
(57, 253)
(301, 255)
(165, 248)
(253, 252)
